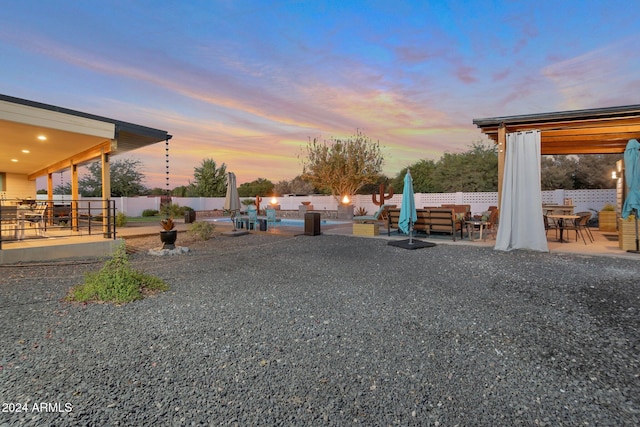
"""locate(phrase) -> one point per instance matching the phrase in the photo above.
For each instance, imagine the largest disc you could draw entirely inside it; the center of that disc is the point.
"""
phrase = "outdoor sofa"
(429, 220)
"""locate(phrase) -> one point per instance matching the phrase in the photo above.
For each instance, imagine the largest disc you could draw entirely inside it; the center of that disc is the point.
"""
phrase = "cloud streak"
(248, 87)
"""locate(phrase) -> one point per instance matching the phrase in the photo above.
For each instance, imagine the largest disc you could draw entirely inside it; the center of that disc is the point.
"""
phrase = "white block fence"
(584, 200)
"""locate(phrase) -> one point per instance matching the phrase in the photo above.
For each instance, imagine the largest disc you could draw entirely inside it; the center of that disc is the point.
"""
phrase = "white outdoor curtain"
(521, 221)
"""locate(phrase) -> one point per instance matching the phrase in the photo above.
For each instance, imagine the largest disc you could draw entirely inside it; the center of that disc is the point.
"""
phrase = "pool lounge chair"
(252, 221)
(272, 221)
(378, 216)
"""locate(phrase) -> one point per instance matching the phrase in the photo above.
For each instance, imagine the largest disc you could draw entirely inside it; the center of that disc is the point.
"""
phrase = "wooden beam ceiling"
(77, 159)
(598, 131)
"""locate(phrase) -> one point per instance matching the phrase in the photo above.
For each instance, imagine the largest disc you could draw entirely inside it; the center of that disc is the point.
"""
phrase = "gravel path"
(328, 330)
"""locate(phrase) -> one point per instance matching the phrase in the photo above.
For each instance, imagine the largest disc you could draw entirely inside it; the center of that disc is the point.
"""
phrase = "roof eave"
(587, 114)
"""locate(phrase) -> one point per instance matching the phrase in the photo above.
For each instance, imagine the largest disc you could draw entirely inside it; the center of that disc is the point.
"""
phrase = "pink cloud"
(466, 74)
(584, 81)
(501, 75)
(257, 120)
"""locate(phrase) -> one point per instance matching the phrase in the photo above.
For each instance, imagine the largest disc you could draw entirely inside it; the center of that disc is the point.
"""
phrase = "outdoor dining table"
(565, 209)
(561, 222)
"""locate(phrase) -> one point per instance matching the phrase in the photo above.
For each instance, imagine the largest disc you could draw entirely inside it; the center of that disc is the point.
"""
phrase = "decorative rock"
(178, 250)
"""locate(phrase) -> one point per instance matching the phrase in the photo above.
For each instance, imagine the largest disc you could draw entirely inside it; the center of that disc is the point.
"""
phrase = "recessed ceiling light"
(42, 137)
(14, 160)
(25, 151)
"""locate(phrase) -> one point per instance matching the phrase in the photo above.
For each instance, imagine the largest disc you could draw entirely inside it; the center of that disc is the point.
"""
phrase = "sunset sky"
(247, 83)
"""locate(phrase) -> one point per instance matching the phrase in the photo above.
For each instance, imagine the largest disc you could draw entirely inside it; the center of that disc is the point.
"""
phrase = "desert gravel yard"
(327, 330)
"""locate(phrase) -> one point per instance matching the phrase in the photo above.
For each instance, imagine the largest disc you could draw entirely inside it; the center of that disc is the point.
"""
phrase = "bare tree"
(342, 166)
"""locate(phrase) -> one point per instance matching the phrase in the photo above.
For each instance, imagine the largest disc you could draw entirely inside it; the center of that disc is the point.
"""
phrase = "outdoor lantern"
(614, 175)
(345, 200)
(274, 201)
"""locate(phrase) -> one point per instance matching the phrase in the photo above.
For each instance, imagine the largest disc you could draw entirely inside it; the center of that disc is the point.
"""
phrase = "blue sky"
(247, 83)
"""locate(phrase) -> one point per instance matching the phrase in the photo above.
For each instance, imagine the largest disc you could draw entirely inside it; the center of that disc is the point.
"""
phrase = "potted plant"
(607, 218)
(168, 235)
(627, 233)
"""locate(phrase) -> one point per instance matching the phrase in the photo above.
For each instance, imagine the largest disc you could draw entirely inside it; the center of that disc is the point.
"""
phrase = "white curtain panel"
(521, 224)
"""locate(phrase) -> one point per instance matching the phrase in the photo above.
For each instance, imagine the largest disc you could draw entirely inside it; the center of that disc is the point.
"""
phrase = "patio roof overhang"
(592, 131)
(72, 137)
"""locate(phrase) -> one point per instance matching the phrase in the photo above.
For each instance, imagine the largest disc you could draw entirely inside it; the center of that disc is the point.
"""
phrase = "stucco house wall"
(18, 186)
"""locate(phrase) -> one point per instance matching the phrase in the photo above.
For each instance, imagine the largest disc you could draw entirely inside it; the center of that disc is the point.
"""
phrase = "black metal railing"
(26, 219)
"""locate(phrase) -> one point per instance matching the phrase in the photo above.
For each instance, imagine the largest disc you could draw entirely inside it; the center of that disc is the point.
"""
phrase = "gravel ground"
(327, 330)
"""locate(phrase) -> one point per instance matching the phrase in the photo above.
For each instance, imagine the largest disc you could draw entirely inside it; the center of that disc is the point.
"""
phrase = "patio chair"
(492, 224)
(549, 225)
(582, 224)
(9, 221)
(252, 222)
(573, 225)
(272, 221)
(380, 215)
(37, 217)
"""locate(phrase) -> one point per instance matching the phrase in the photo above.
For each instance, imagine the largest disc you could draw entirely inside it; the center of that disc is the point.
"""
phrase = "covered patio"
(589, 131)
(38, 140)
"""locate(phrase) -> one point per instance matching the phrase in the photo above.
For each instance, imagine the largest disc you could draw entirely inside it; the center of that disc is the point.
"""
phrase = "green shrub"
(121, 219)
(170, 210)
(174, 210)
(150, 212)
(116, 282)
(201, 230)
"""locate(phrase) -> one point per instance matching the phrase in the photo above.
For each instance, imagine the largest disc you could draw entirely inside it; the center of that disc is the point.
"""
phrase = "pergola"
(592, 131)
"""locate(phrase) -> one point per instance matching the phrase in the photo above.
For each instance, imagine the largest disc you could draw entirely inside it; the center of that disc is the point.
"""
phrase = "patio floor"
(67, 246)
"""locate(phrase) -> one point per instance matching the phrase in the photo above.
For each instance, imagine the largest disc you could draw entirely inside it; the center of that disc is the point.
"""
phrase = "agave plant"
(361, 211)
(167, 224)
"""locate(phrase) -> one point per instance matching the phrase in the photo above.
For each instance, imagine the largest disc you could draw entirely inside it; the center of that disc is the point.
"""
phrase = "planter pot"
(627, 233)
(345, 211)
(607, 221)
(366, 229)
(303, 209)
(168, 238)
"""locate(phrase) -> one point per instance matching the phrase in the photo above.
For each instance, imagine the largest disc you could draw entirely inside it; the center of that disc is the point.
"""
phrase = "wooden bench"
(464, 210)
(438, 220)
(443, 220)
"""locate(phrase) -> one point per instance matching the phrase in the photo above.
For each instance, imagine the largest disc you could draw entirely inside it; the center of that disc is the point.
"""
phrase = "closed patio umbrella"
(232, 199)
(408, 215)
(632, 176)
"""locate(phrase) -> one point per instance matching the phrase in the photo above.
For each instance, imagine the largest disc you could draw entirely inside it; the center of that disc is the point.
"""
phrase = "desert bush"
(121, 219)
(201, 230)
(174, 210)
(116, 282)
(150, 212)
